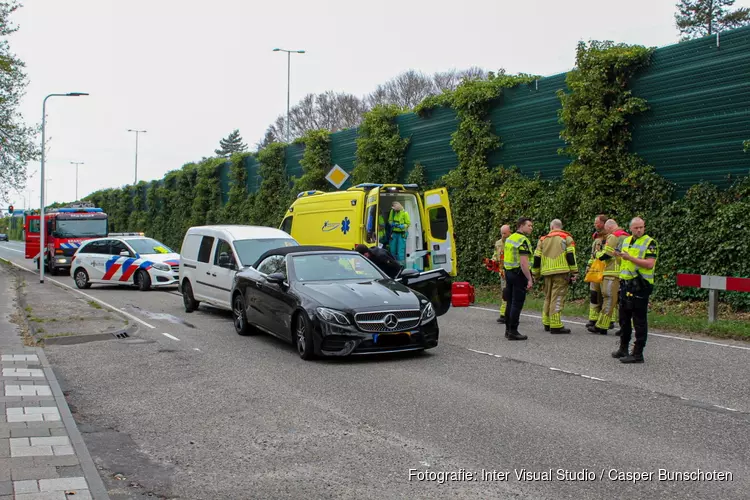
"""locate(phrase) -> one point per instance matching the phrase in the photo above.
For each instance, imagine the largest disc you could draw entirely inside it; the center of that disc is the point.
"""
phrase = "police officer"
(555, 259)
(498, 257)
(381, 258)
(639, 254)
(516, 257)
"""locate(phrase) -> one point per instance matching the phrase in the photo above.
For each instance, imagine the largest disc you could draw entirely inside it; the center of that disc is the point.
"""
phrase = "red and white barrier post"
(714, 284)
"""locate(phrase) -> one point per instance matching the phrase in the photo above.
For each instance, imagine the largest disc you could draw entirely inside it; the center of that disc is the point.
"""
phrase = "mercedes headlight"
(161, 267)
(333, 316)
(428, 313)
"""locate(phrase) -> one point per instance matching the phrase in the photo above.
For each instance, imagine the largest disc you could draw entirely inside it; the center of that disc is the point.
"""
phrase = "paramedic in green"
(399, 223)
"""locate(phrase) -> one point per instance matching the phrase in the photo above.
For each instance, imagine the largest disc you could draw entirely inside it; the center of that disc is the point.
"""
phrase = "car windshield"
(148, 246)
(73, 228)
(249, 251)
(334, 267)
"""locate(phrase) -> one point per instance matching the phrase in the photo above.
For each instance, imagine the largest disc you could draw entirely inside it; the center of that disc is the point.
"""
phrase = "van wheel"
(142, 280)
(81, 277)
(187, 297)
(240, 319)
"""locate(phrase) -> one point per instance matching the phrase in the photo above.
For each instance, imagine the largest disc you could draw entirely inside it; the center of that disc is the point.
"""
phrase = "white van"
(211, 255)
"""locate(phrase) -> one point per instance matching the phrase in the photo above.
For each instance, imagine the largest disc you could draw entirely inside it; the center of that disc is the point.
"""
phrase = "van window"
(439, 223)
(286, 226)
(204, 254)
(223, 247)
(34, 226)
(371, 224)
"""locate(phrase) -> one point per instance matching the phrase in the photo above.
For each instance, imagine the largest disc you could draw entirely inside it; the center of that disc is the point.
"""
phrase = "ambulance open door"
(441, 241)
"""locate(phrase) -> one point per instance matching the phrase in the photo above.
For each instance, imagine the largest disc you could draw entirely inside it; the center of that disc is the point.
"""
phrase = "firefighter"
(610, 285)
(399, 223)
(516, 255)
(555, 259)
(498, 257)
(595, 301)
(639, 254)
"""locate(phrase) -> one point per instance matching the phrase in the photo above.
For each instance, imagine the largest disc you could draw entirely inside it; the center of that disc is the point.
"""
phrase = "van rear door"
(372, 227)
(438, 226)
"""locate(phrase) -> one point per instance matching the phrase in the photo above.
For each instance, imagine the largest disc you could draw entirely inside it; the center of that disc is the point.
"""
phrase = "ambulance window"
(204, 254)
(286, 226)
(34, 226)
(371, 224)
(439, 223)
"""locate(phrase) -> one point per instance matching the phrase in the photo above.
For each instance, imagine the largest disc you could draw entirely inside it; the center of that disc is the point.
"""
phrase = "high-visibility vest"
(381, 227)
(399, 218)
(637, 248)
(551, 255)
(511, 256)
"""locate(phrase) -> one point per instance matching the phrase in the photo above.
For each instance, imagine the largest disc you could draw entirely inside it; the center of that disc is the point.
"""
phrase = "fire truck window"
(34, 226)
(204, 254)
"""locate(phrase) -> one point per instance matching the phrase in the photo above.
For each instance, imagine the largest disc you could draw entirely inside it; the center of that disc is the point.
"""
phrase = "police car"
(125, 259)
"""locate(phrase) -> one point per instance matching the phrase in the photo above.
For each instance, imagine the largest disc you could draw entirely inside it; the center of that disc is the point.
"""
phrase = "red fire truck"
(66, 229)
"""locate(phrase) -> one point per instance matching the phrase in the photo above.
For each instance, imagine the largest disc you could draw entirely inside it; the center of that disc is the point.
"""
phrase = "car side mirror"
(124, 253)
(277, 278)
(409, 273)
(225, 261)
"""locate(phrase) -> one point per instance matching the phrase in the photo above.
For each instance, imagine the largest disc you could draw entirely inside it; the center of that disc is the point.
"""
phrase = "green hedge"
(702, 232)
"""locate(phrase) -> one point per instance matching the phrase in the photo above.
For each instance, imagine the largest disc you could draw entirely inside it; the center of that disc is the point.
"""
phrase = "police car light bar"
(126, 234)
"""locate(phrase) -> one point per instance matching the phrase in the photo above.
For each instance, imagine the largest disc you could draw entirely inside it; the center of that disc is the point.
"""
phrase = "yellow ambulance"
(345, 219)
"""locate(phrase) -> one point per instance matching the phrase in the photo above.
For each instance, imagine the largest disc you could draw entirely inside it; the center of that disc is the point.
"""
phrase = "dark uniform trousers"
(515, 291)
(633, 308)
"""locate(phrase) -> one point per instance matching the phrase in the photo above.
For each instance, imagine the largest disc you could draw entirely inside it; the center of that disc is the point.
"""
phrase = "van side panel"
(190, 246)
(334, 219)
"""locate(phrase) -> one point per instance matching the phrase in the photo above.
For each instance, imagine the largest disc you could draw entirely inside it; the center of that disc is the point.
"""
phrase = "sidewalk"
(42, 453)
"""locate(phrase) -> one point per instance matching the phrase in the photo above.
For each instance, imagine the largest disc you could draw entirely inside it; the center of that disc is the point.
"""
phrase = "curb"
(94, 480)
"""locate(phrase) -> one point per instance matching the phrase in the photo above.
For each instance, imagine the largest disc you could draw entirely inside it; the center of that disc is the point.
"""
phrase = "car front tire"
(81, 277)
(187, 297)
(303, 338)
(142, 280)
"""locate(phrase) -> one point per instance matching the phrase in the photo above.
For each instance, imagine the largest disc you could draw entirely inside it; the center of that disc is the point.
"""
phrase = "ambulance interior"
(414, 240)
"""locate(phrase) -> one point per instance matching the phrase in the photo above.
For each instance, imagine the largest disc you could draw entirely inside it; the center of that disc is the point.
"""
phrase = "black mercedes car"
(331, 302)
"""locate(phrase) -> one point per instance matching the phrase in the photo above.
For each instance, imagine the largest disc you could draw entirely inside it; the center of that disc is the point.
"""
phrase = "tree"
(697, 18)
(17, 141)
(327, 111)
(269, 138)
(232, 144)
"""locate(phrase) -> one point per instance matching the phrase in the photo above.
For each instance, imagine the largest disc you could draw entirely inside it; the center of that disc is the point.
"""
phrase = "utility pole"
(288, 82)
(76, 163)
(136, 152)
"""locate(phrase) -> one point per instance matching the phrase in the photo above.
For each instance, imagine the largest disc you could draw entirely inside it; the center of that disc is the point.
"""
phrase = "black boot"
(591, 323)
(622, 351)
(559, 330)
(501, 320)
(507, 331)
(514, 335)
(592, 328)
(611, 325)
(601, 331)
(546, 328)
(635, 357)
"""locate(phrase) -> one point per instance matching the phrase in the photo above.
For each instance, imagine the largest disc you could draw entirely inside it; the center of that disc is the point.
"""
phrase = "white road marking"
(12, 249)
(650, 334)
(135, 318)
(550, 367)
(196, 349)
(171, 336)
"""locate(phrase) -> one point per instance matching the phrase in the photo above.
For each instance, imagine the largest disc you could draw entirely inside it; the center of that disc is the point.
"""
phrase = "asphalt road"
(216, 415)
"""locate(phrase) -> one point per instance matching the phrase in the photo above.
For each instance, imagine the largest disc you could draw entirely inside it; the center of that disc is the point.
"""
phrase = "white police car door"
(92, 257)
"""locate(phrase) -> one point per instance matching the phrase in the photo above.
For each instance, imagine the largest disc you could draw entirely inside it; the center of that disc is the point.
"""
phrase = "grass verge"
(670, 316)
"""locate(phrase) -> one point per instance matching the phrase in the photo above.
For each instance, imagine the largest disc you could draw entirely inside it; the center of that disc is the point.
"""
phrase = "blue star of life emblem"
(345, 225)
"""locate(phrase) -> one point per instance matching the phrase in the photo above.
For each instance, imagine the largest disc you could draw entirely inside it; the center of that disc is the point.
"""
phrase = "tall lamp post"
(288, 81)
(76, 163)
(42, 229)
(136, 152)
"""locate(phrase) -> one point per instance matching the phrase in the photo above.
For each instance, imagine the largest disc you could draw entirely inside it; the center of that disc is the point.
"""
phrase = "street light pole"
(136, 153)
(76, 163)
(288, 81)
(42, 229)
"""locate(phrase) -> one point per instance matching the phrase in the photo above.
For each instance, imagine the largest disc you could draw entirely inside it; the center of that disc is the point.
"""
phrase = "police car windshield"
(334, 267)
(250, 250)
(73, 228)
(148, 246)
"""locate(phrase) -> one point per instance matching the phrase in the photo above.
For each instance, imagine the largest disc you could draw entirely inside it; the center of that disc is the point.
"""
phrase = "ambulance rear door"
(438, 228)
(371, 226)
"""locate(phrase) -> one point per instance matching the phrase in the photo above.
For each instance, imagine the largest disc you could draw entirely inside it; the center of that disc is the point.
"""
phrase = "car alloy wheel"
(240, 320)
(82, 279)
(304, 338)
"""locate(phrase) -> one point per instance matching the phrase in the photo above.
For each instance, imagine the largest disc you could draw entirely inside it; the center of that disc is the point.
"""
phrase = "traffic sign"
(337, 176)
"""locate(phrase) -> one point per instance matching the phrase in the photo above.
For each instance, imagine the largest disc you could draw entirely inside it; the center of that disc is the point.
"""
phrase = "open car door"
(438, 227)
(436, 285)
(372, 226)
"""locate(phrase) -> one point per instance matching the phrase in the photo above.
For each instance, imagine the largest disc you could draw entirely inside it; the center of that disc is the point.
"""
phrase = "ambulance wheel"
(81, 277)
(187, 297)
(142, 280)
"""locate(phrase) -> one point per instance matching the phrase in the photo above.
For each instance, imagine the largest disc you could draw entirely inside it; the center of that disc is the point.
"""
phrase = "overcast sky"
(189, 71)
